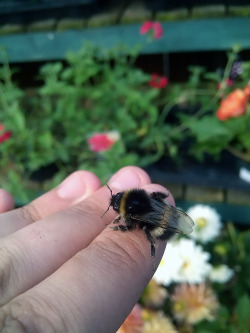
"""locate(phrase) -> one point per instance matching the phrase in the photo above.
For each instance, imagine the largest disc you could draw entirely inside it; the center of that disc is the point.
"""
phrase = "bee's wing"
(177, 219)
(167, 217)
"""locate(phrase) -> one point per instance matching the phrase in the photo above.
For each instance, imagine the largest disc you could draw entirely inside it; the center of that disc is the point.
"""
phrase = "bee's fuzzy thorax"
(136, 201)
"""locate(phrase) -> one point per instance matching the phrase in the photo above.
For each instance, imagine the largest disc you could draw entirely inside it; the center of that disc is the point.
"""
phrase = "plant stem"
(231, 58)
(182, 127)
(165, 112)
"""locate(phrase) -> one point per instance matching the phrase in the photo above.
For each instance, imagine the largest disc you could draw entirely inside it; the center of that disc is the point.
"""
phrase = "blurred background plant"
(202, 283)
(98, 111)
(214, 110)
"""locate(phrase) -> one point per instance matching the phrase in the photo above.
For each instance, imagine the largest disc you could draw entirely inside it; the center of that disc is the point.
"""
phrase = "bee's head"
(116, 201)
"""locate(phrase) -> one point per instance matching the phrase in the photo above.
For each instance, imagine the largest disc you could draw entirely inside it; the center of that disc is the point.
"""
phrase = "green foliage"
(99, 91)
(96, 91)
(234, 313)
(209, 133)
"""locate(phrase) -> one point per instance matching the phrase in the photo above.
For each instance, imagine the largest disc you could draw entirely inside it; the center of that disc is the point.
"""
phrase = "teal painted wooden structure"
(182, 36)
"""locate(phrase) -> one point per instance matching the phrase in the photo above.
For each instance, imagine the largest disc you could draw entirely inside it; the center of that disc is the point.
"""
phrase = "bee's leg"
(117, 220)
(120, 227)
(159, 196)
(151, 240)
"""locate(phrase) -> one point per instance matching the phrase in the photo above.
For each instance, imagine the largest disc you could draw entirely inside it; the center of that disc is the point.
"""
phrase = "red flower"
(234, 105)
(158, 81)
(154, 27)
(102, 141)
(4, 136)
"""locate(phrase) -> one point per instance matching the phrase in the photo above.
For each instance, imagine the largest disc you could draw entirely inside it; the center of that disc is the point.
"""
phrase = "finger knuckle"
(24, 316)
(122, 253)
(10, 324)
(30, 213)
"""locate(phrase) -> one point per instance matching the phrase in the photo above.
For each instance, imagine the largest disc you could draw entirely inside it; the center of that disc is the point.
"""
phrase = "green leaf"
(209, 127)
(45, 140)
(15, 186)
(242, 311)
(212, 76)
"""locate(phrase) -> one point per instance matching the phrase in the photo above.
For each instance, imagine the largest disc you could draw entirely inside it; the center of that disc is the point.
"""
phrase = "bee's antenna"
(111, 196)
(108, 187)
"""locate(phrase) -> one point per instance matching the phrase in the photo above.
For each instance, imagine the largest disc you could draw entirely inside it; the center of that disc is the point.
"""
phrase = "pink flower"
(146, 27)
(153, 27)
(158, 30)
(102, 141)
(158, 81)
(194, 303)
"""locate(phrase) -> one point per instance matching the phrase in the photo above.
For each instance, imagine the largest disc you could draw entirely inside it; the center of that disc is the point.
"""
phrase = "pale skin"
(61, 268)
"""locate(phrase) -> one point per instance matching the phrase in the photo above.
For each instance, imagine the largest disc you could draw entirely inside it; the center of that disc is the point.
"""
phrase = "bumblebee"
(149, 212)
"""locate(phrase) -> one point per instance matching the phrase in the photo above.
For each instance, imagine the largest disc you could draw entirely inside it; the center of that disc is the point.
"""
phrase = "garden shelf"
(181, 36)
(210, 173)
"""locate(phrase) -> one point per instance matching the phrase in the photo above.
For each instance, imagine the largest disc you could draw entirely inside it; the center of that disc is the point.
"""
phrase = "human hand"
(62, 270)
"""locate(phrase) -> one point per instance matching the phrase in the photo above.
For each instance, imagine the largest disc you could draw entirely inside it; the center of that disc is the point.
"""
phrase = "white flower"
(183, 261)
(221, 274)
(195, 267)
(207, 223)
(114, 135)
(169, 265)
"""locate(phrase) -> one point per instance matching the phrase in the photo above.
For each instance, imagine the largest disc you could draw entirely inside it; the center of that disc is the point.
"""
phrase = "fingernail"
(125, 178)
(71, 188)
